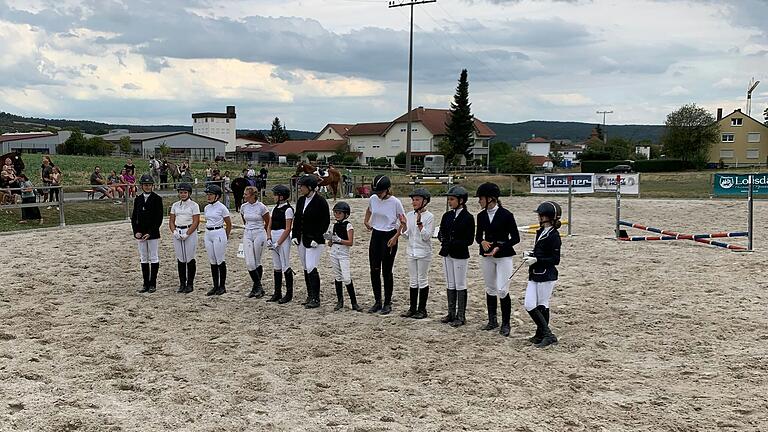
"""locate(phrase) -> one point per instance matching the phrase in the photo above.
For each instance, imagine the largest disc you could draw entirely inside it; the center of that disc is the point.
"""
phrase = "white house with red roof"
(334, 131)
(536, 146)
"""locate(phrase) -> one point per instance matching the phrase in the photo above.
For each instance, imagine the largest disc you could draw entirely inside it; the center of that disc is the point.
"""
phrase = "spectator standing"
(28, 197)
(226, 186)
(55, 181)
(130, 168)
(46, 169)
(163, 174)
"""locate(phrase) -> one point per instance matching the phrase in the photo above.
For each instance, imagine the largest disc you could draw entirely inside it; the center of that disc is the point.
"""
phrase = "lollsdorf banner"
(630, 183)
(738, 184)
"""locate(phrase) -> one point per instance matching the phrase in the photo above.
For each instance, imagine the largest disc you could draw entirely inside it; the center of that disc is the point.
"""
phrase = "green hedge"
(652, 165)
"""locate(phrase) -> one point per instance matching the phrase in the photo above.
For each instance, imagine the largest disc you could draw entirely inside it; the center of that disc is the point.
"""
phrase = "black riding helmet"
(550, 209)
(381, 183)
(213, 189)
(308, 180)
(282, 191)
(460, 193)
(422, 193)
(146, 179)
(343, 207)
(184, 187)
(488, 190)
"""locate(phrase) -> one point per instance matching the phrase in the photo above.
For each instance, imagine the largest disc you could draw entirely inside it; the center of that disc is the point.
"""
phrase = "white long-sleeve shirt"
(419, 239)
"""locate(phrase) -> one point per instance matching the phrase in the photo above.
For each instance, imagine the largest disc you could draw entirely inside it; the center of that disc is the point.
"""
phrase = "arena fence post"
(618, 206)
(62, 222)
(750, 214)
(125, 206)
(570, 204)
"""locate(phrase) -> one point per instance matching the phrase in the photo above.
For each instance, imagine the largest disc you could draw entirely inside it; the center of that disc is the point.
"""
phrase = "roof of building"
(368, 129)
(213, 115)
(299, 146)
(255, 140)
(145, 136)
(15, 137)
(738, 111)
(339, 128)
(540, 160)
(435, 121)
(536, 140)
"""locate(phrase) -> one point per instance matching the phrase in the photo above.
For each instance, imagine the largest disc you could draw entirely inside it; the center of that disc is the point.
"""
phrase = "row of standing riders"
(307, 228)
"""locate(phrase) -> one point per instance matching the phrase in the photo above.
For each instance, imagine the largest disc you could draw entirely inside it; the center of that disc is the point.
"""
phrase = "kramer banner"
(738, 184)
(558, 183)
(630, 183)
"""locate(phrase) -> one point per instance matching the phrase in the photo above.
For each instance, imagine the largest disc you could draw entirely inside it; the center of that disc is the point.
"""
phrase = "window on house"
(227, 120)
(728, 137)
(753, 137)
(375, 146)
(414, 130)
(206, 120)
(737, 121)
(402, 130)
(753, 153)
(726, 154)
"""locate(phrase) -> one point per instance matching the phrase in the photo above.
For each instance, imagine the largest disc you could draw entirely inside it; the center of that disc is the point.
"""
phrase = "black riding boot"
(414, 297)
(547, 337)
(215, 277)
(461, 308)
(536, 316)
(288, 287)
(260, 292)
(145, 277)
(506, 312)
(222, 279)
(490, 301)
(182, 267)
(386, 308)
(191, 270)
(339, 295)
(256, 291)
(154, 268)
(376, 285)
(421, 313)
(353, 297)
(313, 279)
(451, 308)
(309, 295)
(545, 312)
(278, 275)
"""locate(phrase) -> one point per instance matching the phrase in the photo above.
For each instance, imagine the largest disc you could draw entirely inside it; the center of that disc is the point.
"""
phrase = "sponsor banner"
(558, 183)
(630, 183)
(738, 184)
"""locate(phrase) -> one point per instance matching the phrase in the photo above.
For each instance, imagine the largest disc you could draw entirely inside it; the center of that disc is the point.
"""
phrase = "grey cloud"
(131, 86)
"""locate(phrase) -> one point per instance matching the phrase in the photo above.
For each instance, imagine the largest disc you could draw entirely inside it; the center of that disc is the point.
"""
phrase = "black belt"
(214, 228)
(183, 227)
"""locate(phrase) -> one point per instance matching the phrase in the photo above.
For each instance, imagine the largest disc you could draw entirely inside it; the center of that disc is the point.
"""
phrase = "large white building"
(222, 126)
(536, 146)
(182, 145)
(35, 142)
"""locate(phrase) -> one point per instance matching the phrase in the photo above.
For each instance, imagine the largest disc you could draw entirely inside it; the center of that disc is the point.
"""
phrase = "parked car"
(619, 169)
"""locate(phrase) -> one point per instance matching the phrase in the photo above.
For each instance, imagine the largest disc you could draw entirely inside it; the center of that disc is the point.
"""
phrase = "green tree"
(690, 133)
(599, 131)
(312, 157)
(125, 144)
(400, 159)
(164, 150)
(380, 162)
(75, 144)
(498, 152)
(278, 133)
(292, 158)
(557, 159)
(517, 162)
(620, 148)
(461, 123)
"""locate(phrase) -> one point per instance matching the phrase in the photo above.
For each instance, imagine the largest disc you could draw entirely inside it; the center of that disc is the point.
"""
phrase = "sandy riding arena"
(654, 336)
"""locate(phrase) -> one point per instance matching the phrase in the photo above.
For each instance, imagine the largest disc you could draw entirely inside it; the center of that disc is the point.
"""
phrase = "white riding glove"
(270, 245)
(527, 253)
(295, 241)
(184, 236)
(176, 235)
(313, 244)
(328, 236)
(336, 239)
(529, 260)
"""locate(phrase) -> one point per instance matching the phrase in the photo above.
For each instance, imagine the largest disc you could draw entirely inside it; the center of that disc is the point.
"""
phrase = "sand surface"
(654, 336)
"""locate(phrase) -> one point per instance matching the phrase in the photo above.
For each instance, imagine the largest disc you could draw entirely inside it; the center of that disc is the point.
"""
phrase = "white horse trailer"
(434, 164)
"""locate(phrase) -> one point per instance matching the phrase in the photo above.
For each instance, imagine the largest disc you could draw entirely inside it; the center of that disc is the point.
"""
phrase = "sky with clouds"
(346, 61)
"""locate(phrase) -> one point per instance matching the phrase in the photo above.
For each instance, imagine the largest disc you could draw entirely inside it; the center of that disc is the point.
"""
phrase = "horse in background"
(332, 179)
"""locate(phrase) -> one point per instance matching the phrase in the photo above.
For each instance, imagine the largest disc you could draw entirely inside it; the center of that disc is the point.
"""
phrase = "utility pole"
(750, 89)
(411, 3)
(605, 134)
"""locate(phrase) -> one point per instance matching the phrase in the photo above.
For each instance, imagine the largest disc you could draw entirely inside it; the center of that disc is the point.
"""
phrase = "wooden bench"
(91, 193)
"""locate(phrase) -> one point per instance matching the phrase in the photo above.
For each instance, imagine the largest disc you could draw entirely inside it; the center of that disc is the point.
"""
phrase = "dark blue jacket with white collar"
(547, 253)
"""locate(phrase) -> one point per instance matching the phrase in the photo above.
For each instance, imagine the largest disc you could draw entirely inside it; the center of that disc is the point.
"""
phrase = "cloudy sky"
(320, 61)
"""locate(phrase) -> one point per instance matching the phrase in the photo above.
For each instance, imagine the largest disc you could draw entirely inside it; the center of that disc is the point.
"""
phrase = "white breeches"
(281, 256)
(253, 246)
(496, 273)
(418, 270)
(310, 257)
(341, 270)
(148, 250)
(538, 293)
(216, 245)
(455, 273)
(185, 249)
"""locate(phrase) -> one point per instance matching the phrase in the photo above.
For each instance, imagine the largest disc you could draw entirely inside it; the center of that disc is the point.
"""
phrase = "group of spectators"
(14, 183)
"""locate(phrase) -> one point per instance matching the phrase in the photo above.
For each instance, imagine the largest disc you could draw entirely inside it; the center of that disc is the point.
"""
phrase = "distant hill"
(13, 123)
(515, 133)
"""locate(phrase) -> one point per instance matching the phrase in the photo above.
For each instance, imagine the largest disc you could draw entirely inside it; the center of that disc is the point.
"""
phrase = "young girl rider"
(146, 219)
(278, 241)
(497, 235)
(383, 217)
(218, 225)
(309, 224)
(542, 272)
(340, 240)
(457, 229)
(183, 222)
(418, 231)
(255, 217)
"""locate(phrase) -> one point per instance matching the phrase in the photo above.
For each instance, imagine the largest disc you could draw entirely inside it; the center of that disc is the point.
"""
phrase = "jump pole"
(618, 206)
(570, 195)
(750, 205)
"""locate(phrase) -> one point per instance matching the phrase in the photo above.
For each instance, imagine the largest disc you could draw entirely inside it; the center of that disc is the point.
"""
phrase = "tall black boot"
(451, 308)
(386, 308)
(309, 295)
(353, 297)
(490, 301)
(414, 297)
(461, 308)
(215, 277)
(288, 287)
(339, 295)
(278, 276)
(506, 312)
(314, 289)
(222, 279)
(260, 271)
(421, 313)
(256, 291)
(191, 271)
(535, 315)
(182, 267)
(376, 286)
(145, 276)
(545, 312)
(154, 268)
(547, 337)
